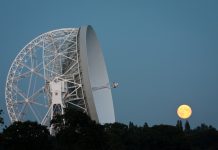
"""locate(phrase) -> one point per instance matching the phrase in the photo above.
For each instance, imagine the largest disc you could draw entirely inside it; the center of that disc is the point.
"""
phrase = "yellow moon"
(184, 111)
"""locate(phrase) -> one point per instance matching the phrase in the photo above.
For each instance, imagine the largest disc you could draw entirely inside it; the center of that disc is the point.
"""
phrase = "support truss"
(51, 55)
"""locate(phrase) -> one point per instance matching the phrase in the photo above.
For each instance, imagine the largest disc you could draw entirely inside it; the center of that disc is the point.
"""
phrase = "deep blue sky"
(163, 53)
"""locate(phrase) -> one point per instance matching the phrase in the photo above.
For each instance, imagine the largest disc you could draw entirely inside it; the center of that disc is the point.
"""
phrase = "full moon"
(184, 111)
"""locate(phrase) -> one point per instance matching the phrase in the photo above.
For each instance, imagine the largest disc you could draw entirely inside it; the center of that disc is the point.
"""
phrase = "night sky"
(162, 53)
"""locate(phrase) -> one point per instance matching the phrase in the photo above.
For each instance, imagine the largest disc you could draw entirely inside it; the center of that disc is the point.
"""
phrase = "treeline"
(76, 131)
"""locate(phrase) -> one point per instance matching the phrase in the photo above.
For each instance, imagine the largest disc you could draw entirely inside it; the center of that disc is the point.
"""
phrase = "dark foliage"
(1, 118)
(25, 136)
(187, 127)
(116, 133)
(179, 125)
(76, 131)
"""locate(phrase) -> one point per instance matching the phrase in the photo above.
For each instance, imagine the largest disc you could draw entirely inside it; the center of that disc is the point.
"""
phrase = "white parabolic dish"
(95, 75)
(60, 68)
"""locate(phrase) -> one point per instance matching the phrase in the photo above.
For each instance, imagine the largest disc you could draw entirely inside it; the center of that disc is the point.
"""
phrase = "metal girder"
(51, 55)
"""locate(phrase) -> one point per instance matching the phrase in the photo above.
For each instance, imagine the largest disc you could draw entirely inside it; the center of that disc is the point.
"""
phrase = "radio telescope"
(58, 69)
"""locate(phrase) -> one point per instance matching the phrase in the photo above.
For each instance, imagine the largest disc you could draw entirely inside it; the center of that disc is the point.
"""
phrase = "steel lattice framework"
(52, 56)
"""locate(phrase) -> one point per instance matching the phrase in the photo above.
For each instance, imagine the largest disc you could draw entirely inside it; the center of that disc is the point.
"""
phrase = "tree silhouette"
(187, 126)
(179, 125)
(116, 135)
(145, 125)
(1, 118)
(78, 131)
(25, 136)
